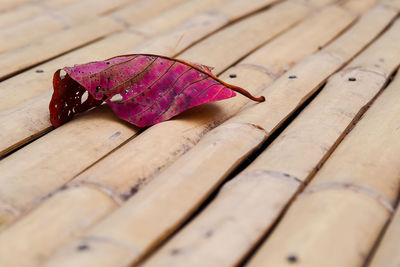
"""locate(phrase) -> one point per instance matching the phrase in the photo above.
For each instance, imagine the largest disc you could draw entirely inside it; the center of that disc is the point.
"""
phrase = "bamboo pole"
(387, 253)
(351, 197)
(249, 204)
(137, 244)
(44, 150)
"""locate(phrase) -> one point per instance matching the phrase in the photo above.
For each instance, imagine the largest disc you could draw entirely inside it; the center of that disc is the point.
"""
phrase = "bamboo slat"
(43, 149)
(252, 201)
(387, 253)
(345, 203)
(137, 238)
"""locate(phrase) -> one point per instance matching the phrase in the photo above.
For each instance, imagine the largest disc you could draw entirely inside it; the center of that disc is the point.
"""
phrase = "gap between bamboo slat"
(146, 237)
(350, 198)
(334, 11)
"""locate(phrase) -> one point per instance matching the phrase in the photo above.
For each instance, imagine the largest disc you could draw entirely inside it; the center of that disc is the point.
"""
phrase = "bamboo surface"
(34, 240)
(69, 172)
(307, 178)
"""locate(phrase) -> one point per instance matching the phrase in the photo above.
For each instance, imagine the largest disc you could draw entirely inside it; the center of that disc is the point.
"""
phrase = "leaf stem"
(246, 93)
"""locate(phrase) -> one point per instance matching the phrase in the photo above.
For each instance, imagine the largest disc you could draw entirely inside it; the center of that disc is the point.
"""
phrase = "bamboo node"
(274, 174)
(352, 187)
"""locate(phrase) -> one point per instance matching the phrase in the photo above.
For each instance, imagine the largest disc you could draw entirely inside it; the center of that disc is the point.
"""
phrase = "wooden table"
(310, 177)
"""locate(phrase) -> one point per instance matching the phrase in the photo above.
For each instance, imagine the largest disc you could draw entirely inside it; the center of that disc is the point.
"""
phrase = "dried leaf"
(142, 89)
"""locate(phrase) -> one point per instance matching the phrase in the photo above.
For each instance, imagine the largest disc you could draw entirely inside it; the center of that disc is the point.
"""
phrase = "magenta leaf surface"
(140, 88)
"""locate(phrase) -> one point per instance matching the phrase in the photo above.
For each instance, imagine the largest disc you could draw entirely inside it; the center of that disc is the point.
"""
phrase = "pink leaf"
(141, 89)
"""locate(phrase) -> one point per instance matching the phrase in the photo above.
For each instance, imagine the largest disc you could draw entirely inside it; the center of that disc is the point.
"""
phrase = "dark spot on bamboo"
(352, 79)
(292, 77)
(232, 75)
(82, 247)
(209, 233)
(175, 251)
(108, 63)
(292, 258)
(131, 192)
(148, 101)
(142, 94)
(98, 88)
(319, 47)
(39, 71)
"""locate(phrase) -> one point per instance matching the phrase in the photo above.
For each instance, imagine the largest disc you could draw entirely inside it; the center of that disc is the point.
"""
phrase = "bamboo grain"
(137, 231)
(43, 158)
(345, 203)
(249, 204)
